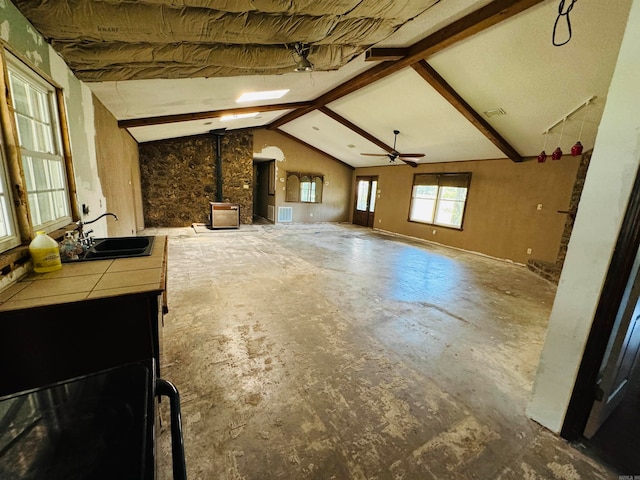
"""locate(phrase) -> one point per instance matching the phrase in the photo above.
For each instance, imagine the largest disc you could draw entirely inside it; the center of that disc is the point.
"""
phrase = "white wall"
(80, 115)
(612, 170)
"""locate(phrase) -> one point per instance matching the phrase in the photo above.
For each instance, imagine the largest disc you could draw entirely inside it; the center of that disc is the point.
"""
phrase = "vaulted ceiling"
(460, 79)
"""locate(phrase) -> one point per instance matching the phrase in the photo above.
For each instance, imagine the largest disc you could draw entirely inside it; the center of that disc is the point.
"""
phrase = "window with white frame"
(38, 131)
(439, 199)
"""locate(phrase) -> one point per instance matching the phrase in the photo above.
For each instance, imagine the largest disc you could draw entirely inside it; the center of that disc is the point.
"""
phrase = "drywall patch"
(24, 39)
(35, 57)
(37, 39)
(5, 30)
(270, 152)
(79, 105)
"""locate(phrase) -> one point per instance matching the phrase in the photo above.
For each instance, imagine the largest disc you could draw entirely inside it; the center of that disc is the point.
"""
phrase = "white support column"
(612, 170)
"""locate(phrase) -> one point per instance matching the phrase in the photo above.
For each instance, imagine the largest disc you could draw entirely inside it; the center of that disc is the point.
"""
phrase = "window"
(439, 199)
(38, 132)
(304, 187)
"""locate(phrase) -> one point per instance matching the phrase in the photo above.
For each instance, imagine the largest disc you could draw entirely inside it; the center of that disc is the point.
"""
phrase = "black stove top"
(93, 427)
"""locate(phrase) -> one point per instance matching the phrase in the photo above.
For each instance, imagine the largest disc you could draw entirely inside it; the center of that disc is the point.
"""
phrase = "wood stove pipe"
(218, 134)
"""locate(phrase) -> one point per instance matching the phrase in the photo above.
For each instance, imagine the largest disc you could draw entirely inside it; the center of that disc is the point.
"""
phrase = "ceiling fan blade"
(374, 154)
(412, 155)
(409, 162)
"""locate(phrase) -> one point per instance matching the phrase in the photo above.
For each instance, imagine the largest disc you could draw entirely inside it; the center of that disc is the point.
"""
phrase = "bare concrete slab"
(336, 352)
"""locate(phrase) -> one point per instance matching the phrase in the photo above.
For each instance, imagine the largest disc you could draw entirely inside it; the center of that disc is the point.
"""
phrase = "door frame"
(370, 215)
(626, 248)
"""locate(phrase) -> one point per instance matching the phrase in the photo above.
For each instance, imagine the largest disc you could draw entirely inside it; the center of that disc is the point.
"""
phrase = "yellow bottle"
(45, 253)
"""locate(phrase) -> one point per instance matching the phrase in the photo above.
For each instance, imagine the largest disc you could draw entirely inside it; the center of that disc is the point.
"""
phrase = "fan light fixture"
(302, 62)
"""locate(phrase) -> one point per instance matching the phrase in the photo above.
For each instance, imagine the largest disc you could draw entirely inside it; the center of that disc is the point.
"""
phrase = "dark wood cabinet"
(46, 344)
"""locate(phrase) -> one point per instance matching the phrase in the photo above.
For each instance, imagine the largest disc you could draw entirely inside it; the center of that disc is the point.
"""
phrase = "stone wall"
(237, 173)
(178, 178)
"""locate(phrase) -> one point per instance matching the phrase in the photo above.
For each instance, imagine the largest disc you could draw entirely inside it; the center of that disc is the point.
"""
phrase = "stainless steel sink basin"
(118, 247)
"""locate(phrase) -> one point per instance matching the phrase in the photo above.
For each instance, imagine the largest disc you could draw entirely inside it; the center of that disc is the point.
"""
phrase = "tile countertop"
(87, 280)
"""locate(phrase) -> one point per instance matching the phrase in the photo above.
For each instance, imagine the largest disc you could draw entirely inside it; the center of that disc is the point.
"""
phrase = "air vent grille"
(285, 214)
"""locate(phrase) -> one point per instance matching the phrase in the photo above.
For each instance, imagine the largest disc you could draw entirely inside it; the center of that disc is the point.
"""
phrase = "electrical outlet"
(539, 206)
(379, 220)
(528, 251)
(434, 232)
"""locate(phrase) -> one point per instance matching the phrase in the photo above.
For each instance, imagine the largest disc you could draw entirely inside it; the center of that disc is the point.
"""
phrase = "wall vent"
(271, 213)
(285, 214)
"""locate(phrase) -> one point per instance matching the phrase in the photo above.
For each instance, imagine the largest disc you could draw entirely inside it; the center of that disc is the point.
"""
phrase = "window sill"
(457, 229)
(18, 256)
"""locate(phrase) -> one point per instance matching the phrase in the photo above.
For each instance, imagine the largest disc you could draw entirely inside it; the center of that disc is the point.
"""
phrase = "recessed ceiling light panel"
(266, 95)
(494, 112)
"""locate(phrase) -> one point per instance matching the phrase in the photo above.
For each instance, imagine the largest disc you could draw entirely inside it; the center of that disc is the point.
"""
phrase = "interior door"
(365, 204)
(620, 356)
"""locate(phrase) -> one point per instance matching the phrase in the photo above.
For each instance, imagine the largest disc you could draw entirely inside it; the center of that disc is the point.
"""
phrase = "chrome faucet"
(83, 237)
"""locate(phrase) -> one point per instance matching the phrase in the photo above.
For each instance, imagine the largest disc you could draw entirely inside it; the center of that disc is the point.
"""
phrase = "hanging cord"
(563, 13)
(584, 116)
(564, 120)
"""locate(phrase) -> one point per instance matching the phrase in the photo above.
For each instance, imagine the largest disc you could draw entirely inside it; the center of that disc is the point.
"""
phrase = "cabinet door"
(42, 345)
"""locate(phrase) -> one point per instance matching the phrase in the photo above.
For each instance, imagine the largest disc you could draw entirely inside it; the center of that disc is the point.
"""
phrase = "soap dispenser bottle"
(45, 253)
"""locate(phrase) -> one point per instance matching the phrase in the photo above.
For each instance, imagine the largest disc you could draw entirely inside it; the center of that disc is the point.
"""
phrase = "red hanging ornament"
(576, 149)
(542, 157)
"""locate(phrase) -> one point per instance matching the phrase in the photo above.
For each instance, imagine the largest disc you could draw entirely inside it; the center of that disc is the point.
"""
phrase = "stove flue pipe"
(218, 134)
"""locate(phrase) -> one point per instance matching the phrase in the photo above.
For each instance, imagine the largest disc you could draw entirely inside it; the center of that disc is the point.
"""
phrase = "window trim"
(13, 156)
(438, 178)
(14, 239)
(21, 72)
(313, 177)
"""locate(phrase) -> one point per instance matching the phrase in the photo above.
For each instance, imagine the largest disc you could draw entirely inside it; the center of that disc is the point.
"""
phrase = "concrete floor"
(336, 352)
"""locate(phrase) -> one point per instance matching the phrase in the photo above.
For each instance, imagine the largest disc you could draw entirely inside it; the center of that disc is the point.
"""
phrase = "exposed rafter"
(186, 117)
(443, 88)
(385, 54)
(483, 18)
(353, 127)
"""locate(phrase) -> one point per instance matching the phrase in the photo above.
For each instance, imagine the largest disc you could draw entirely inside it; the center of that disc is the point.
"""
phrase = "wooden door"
(365, 203)
(619, 359)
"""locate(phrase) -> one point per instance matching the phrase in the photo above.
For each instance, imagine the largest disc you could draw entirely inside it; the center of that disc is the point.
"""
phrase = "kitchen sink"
(118, 247)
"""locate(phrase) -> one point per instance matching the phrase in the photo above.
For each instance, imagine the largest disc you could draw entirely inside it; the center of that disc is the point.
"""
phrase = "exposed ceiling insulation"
(109, 40)
(171, 68)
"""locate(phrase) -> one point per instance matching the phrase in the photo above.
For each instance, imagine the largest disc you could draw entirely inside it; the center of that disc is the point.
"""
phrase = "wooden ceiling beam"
(385, 54)
(186, 117)
(477, 21)
(354, 128)
(439, 84)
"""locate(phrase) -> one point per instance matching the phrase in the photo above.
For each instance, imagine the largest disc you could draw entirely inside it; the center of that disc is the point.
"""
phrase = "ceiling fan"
(393, 154)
